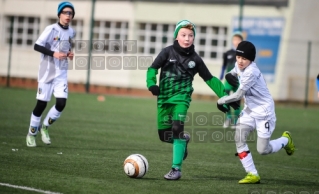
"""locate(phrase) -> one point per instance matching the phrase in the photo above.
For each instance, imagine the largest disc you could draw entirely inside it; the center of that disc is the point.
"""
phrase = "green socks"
(179, 146)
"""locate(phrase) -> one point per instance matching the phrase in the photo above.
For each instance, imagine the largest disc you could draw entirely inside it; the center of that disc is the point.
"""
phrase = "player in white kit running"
(54, 44)
(258, 112)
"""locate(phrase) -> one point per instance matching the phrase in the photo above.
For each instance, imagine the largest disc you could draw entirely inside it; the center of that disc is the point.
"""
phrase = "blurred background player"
(318, 85)
(179, 63)
(54, 44)
(259, 111)
(229, 60)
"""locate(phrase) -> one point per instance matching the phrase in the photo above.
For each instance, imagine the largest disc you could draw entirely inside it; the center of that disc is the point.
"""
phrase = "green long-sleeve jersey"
(178, 68)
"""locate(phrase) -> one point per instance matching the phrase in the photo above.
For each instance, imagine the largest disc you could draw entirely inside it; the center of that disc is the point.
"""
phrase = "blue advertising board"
(265, 33)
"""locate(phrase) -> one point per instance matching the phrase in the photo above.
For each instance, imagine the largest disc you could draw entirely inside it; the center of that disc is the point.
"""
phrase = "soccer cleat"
(31, 141)
(227, 123)
(187, 138)
(290, 147)
(173, 174)
(45, 135)
(250, 179)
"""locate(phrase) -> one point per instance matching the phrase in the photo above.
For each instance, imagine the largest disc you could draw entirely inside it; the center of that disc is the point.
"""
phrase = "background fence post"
(10, 51)
(87, 86)
(307, 72)
(241, 7)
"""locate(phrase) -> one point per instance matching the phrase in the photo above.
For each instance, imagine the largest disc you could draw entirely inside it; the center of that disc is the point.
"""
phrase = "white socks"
(248, 162)
(52, 115)
(279, 143)
(247, 159)
(35, 121)
(34, 124)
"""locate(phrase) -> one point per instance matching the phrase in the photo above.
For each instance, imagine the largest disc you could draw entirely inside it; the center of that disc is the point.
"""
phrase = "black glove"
(235, 105)
(223, 107)
(232, 80)
(154, 89)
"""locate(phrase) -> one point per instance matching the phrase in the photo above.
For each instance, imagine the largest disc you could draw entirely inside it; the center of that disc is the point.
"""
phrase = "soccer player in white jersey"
(258, 112)
(54, 44)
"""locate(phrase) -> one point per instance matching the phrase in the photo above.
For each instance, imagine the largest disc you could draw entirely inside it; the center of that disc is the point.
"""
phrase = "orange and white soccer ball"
(135, 166)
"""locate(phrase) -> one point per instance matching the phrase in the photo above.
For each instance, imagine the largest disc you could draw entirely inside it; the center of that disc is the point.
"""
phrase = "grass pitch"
(91, 140)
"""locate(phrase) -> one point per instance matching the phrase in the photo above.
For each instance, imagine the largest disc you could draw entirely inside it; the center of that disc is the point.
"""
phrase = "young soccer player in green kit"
(179, 63)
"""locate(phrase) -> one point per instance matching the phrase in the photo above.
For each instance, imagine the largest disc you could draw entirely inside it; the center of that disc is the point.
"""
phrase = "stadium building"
(285, 33)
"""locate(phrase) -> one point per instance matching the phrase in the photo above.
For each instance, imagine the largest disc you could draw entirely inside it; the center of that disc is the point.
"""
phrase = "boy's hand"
(59, 56)
(223, 107)
(154, 89)
(235, 105)
(70, 55)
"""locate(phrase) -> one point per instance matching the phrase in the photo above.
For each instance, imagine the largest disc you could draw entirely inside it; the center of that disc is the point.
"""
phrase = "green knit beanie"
(182, 24)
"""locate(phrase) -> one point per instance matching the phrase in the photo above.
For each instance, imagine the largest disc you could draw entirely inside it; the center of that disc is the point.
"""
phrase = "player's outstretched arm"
(214, 83)
(238, 95)
(217, 86)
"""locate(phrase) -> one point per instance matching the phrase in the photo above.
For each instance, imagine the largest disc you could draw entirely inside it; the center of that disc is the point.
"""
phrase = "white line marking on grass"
(28, 188)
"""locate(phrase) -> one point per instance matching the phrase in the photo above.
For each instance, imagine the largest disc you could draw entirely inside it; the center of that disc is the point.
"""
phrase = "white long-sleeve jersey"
(57, 39)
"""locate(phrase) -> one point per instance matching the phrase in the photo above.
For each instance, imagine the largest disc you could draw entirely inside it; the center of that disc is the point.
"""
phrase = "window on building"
(152, 38)
(210, 41)
(25, 30)
(110, 30)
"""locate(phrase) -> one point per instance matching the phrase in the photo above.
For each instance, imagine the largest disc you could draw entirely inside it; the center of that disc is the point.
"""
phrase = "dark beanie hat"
(63, 5)
(246, 49)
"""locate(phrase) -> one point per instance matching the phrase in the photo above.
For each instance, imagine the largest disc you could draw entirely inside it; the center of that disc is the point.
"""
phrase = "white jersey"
(259, 104)
(56, 39)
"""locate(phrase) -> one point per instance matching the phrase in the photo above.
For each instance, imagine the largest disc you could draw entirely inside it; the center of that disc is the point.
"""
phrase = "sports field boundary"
(28, 188)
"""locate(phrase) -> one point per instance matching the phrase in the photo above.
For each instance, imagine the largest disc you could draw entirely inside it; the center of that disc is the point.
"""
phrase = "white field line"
(28, 188)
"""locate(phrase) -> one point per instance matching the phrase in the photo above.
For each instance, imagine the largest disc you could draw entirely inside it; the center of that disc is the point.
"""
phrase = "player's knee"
(165, 135)
(39, 108)
(263, 146)
(242, 132)
(60, 104)
(263, 150)
(178, 129)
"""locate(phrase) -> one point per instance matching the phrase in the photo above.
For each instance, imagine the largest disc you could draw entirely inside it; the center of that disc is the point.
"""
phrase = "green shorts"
(167, 113)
